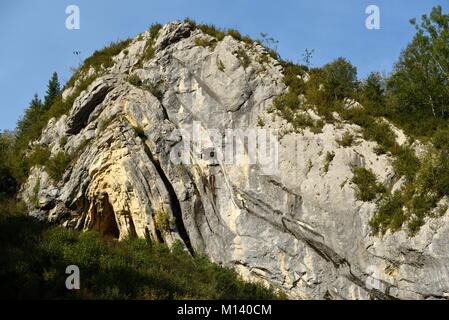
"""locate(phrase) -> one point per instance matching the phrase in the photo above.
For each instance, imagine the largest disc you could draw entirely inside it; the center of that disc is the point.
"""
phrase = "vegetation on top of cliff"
(219, 34)
(35, 256)
(99, 60)
(414, 98)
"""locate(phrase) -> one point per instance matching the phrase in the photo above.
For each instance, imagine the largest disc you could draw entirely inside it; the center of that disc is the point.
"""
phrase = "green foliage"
(155, 89)
(154, 30)
(289, 105)
(405, 163)
(389, 214)
(38, 156)
(218, 33)
(243, 57)
(63, 141)
(57, 165)
(8, 183)
(373, 129)
(440, 139)
(36, 190)
(372, 94)
(206, 43)
(104, 123)
(367, 187)
(35, 256)
(212, 30)
(102, 59)
(433, 175)
(418, 88)
(53, 90)
(135, 80)
(220, 65)
(149, 52)
(334, 82)
(162, 220)
(328, 160)
(346, 140)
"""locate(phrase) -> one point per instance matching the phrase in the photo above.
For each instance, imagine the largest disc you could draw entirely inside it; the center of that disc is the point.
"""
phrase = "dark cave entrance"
(106, 224)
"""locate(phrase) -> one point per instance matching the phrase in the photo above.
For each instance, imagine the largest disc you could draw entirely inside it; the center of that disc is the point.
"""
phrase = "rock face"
(293, 221)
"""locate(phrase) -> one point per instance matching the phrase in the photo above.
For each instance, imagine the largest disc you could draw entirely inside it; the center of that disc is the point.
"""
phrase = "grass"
(206, 43)
(35, 256)
(135, 80)
(243, 57)
(149, 47)
(100, 60)
(220, 65)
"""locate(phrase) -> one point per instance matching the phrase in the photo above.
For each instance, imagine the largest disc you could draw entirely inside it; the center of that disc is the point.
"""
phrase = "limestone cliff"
(297, 224)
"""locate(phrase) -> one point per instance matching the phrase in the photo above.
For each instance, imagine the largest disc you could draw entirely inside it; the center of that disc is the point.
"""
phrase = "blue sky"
(35, 42)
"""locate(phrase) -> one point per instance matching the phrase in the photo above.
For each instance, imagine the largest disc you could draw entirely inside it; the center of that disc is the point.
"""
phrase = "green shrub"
(154, 89)
(243, 57)
(36, 190)
(346, 140)
(100, 60)
(149, 51)
(328, 160)
(63, 141)
(135, 80)
(162, 220)
(328, 86)
(154, 30)
(389, 215)
(220, 65)
(212, 30)
(57, 165)
(39, 156)
(367, 187)
(35, 256)
(206, 43)
(405, 163)
(440, 139)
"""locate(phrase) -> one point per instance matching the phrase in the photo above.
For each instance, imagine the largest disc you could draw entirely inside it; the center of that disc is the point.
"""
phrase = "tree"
(373, 93)
(419, 86)
(53, 91)
(8, 185)
(339, 79)
(30, 120)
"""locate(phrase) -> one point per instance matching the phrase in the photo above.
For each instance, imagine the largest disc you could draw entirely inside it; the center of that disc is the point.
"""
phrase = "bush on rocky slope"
(35, 256)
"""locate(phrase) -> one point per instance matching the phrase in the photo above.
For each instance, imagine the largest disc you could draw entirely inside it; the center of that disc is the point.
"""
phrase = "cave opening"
(106, 223)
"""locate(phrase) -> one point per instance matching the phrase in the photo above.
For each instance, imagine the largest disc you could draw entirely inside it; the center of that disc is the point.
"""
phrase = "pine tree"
(53, 90)
(26, 127)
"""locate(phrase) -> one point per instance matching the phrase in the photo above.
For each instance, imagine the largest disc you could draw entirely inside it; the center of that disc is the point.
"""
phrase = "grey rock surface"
(298, 227)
